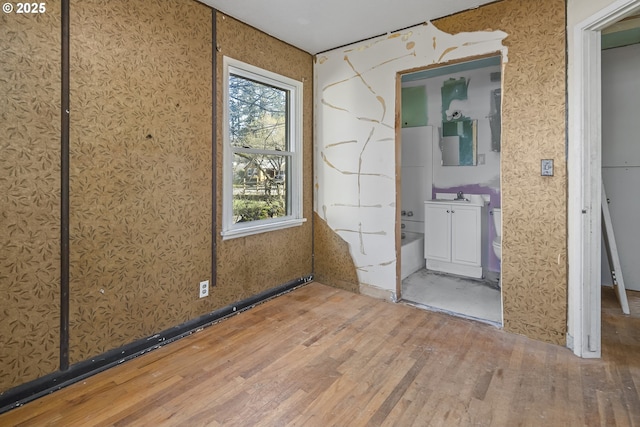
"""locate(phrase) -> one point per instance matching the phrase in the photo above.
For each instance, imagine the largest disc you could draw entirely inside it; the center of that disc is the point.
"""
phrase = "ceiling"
(319, 25)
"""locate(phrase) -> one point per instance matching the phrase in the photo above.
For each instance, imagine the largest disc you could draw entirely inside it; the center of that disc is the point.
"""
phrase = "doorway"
(450, 148)
(585, 178)
(620, 149)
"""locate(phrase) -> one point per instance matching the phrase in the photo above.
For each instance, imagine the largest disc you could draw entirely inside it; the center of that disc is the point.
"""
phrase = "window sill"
(261, 228)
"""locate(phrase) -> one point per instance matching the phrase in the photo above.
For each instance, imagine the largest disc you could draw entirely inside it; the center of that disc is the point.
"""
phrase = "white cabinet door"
(465, 235)
(437, 238)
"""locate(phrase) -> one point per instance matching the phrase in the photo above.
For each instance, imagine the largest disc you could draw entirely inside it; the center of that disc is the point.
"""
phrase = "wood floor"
(319, 356)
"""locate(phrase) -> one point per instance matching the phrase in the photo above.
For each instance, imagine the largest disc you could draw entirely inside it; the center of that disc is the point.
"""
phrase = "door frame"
(398, 148)
(585, 177)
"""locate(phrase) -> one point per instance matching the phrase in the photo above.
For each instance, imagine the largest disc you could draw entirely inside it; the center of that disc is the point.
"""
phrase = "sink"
(473, 199)
(451, 200)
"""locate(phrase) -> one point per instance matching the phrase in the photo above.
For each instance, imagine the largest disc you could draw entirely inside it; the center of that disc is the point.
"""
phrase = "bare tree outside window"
(258, 128)
(263, 141)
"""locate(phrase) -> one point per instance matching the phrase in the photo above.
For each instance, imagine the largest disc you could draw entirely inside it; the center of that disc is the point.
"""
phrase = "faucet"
(460, 196)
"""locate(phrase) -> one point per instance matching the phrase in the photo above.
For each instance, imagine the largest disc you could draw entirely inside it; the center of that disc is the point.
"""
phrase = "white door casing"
(585, 177)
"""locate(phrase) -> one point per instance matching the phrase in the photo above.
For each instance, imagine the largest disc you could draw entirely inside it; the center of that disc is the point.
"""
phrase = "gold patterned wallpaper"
(140, 174)
(252, 264)
(333, 265)
(29, 195)
(141, 180)
(534, 208)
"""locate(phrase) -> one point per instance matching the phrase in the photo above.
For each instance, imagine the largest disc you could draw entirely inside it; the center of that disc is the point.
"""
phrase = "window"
(262, 151)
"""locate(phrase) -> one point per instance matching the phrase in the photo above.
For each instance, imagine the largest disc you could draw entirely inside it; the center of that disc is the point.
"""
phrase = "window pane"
(262, 151)
(257, 115)
(260, 187)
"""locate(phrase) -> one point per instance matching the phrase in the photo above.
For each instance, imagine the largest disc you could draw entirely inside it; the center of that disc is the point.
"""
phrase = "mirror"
(459, 143)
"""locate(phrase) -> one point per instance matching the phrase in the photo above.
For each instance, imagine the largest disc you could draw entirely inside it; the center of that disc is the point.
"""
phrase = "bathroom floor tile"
(476, 299)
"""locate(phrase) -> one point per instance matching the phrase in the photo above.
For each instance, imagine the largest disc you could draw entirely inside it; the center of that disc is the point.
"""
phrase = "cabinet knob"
(452, 211)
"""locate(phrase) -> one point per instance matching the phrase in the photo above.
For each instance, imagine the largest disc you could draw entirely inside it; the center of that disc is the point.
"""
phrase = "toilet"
(497, 241)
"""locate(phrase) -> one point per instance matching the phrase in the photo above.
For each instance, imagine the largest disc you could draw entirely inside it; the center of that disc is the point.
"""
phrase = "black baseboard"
(32, 390)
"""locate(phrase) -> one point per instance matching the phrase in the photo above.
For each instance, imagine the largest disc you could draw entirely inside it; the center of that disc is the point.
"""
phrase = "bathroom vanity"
(454, 232)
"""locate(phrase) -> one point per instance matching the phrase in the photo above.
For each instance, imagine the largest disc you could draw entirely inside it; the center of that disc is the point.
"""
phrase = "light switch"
(546, 168)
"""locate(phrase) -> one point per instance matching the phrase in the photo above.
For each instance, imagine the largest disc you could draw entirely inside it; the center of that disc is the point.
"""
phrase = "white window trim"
(229, 229)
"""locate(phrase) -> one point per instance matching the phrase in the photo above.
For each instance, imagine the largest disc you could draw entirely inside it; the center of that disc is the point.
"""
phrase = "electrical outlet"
(204, 289)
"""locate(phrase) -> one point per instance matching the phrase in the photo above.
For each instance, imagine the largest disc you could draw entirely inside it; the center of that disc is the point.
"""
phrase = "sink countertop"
(453, 201)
